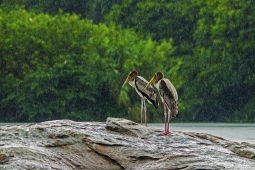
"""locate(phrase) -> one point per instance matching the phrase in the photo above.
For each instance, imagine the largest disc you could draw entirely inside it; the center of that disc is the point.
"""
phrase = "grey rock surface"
(116, 144)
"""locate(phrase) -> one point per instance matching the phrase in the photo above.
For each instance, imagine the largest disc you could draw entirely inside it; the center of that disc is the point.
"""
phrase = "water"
(12, 124)
(230, 131)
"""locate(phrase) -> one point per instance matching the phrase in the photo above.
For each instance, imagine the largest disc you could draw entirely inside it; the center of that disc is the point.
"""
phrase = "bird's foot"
(164, 134)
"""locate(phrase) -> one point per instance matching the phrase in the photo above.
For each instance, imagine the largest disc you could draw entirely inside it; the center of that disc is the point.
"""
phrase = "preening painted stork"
(149, 94)
(168, 95)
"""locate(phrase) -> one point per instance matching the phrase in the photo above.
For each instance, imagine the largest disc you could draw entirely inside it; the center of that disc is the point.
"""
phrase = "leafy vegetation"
(69, 59)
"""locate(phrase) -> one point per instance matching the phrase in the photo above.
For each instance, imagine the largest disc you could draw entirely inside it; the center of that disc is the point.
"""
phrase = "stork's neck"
(156, 84)
(132, 83)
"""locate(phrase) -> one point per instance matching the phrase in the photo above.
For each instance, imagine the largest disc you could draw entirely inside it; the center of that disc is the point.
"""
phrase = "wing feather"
(149, 93)
(168, 92)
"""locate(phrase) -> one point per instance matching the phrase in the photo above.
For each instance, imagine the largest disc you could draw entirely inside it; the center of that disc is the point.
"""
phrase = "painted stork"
(149, 94)
(168, 95)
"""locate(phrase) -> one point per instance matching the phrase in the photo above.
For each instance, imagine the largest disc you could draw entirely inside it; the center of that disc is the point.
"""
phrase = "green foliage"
(91, 9)
(213, 68)
(56, 64)
(159, 20)
(65, 67)
(222, 65)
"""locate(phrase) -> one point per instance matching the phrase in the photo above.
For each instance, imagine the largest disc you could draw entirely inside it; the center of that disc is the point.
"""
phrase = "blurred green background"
(68, 59)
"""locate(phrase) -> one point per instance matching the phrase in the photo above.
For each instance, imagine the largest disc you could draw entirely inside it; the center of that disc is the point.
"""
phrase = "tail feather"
(174, 108)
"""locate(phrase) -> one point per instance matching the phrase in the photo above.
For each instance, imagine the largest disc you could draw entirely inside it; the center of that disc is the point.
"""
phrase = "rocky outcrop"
(116, 144)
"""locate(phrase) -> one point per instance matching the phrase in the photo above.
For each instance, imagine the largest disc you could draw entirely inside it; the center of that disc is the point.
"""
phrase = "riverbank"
(238, 132)
(116, 144)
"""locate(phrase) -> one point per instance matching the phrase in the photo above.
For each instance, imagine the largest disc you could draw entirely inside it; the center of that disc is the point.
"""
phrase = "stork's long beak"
(127, 80)
(153, 79)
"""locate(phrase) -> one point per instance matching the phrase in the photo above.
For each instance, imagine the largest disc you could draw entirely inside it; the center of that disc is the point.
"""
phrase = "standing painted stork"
(149, 94)
(168, 95)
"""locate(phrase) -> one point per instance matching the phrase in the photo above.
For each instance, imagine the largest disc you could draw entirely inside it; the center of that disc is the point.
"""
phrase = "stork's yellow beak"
(127, 80)
(153, 79)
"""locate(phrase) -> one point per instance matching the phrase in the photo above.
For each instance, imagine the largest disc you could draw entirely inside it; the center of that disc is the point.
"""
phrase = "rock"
(116, 144)
(3, 158)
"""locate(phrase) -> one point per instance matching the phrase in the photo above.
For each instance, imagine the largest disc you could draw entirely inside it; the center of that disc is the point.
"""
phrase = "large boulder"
(116, 144)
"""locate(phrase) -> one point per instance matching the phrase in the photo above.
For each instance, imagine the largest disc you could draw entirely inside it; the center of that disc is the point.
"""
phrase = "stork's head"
(130, 77)
(157, 76)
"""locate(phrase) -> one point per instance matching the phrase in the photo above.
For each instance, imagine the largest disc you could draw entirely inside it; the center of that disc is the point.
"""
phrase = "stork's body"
(169, 97)
(139, 83)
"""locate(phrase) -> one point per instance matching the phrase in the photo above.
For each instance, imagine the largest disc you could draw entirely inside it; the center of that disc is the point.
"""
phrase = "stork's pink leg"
(168, 122)
(142, 110)
(165, 119)
(145, 112)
